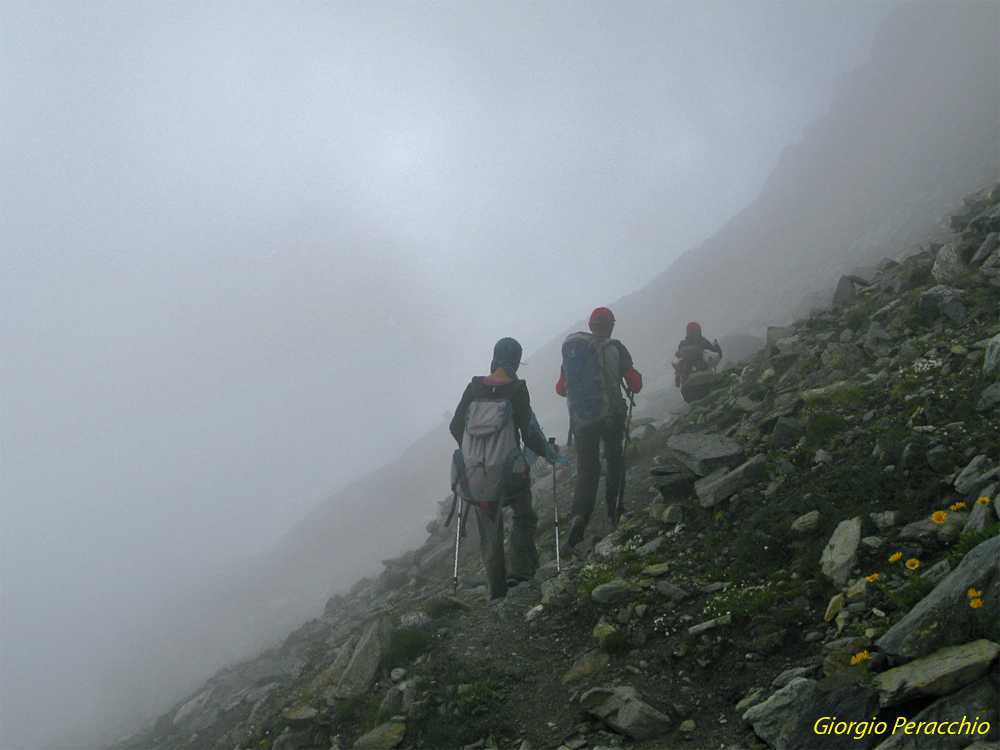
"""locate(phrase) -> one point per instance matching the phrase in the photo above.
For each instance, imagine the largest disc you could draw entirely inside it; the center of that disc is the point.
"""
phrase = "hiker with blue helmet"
(595, 367)
(503, 388)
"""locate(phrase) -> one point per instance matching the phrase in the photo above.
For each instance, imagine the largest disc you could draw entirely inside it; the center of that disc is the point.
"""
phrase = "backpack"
(590, 364)
(490, 467)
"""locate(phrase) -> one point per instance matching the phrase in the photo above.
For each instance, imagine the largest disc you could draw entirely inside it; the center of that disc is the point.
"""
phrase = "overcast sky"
(250, 251)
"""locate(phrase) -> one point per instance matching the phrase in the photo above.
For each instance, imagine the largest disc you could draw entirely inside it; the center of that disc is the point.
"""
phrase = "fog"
(251, 252)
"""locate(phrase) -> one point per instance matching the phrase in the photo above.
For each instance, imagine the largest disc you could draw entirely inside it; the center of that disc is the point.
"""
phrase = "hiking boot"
(576, 531)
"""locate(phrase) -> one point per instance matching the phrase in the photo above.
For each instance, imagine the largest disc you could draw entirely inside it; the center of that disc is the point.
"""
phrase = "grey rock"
(362, 668)
(268, 670)
(986, 249)
(822, 457)
(939, 673)
(926, 530)
(990, 398)
(846, 701)
(954, 309)
(732, 482)
(969, 477)
(788, 675)
(946, 609)
(948, 265)
(845, 293)
(846, 357)
(877, 341)
(841, 551)
(806, 522)
(978, 700)
(622, 709)
(991, 360)
(775, 719)
(935, 297)
(392, 703)
(676, 593)
(787, 431)
(937, 456)
(885, 520)
(614, 592)
(703, 454)
(981, 517)
(704, 627)
(674, 486)
(651, 546)
(383, 737)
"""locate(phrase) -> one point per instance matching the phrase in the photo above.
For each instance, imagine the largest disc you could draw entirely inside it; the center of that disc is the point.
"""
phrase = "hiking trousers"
(589, 438)
(523, 553)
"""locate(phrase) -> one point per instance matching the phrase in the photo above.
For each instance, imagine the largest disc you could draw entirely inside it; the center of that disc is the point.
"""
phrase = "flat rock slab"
(703, 454)
(946, 609)
(622, 710)
(941, 673)
(383, 737)
(841, 551)
(713, 493)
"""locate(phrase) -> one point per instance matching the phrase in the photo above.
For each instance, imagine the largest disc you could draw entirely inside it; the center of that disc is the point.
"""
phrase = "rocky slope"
(909, 134)
(815, 538)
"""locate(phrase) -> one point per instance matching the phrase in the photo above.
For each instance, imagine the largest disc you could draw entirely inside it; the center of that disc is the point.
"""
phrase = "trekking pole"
(625, 445)
(458, 542)
(555, 507)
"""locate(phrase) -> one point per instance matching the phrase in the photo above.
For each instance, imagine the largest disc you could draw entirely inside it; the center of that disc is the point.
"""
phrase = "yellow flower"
(913, 563)
(976, 603)
(939, 516)
(896, 557)
(860, 657)
(983, 500)
(873, 577)
(958, 506)
(973, 593)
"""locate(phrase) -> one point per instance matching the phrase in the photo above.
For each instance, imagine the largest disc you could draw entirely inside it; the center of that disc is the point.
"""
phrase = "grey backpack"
(490, 467)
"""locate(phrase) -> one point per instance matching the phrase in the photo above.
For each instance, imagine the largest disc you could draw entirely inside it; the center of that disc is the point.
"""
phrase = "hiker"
(694, 353)
(593, 369)
(498, 390)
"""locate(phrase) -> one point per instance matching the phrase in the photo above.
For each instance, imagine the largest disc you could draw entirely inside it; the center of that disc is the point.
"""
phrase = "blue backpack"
(590, 364)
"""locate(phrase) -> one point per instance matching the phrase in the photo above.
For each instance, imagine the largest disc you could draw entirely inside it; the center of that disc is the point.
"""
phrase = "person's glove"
(552, 454)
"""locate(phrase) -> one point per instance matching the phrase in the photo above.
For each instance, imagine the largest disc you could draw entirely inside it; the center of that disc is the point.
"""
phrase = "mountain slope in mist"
(910, 134)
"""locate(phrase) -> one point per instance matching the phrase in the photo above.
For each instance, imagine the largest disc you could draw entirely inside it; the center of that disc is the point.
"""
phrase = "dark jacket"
(516, 392)
(699, 340)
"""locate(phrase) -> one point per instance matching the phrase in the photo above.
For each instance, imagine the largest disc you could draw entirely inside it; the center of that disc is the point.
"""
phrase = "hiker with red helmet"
(594, 369)
(694, 353)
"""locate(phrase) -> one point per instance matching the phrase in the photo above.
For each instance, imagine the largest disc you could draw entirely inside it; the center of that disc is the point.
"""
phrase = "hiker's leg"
(491, 547)
(523, 552)
(612, 435)
(588, 470)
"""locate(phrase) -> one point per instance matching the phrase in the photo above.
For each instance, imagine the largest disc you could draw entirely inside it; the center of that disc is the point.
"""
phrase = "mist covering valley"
(251, 255)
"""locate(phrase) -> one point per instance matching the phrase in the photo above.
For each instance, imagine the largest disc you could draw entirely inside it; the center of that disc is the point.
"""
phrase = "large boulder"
(703, 454)
(980, 700)
(361, 670)
(788, 720)
(940, 673)
(946, 610)
(622, 710)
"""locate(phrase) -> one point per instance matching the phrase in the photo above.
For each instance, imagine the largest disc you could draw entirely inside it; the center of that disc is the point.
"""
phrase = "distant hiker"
(594, 366)
(694, 353)
(491, 421)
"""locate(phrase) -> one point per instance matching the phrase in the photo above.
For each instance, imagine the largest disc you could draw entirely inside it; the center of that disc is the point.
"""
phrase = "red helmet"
(693, 329)
(602, 315)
